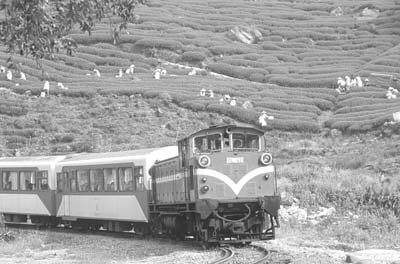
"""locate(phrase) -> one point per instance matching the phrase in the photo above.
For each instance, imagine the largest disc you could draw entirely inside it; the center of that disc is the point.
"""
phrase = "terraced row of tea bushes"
(395, 104)
(12, 106)
(362, 125)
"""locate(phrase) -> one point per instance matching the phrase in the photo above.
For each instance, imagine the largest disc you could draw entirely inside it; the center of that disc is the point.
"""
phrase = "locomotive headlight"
(266, 159)
(204, 189)
(266, 177)
(204, 161)
(203, 180)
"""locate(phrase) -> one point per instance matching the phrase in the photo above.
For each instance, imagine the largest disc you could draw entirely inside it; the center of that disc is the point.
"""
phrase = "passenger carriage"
(27, 189)
(108, 190)
(221, 187)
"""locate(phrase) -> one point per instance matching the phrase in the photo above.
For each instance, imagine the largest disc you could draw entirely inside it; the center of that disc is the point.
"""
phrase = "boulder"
(374, 256)
(293, 213)
(245, 34)
(288, 199)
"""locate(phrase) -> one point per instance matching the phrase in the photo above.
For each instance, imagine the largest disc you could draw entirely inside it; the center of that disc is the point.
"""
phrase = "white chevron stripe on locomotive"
(236, 187)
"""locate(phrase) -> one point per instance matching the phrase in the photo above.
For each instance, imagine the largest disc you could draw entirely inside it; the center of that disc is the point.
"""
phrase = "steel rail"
(262, 259)
(227, 255)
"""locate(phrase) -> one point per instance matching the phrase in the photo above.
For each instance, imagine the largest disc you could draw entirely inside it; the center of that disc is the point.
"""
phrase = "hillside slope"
(281, 56)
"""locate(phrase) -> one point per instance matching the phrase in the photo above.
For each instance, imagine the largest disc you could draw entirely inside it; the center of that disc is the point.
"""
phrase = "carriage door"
(66, 194)
(62, 196)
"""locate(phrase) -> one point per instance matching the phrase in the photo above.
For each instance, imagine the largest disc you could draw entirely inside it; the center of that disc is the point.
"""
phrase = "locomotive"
(217, 186)
(221, 188)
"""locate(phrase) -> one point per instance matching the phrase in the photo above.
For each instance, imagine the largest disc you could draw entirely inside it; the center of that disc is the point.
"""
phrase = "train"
(218, 185)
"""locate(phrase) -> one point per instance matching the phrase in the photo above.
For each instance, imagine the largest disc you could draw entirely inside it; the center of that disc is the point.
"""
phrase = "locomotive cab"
(228, 162)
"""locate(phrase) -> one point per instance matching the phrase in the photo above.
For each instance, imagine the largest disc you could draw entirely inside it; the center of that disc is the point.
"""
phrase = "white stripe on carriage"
(236, 187)
(20, 203)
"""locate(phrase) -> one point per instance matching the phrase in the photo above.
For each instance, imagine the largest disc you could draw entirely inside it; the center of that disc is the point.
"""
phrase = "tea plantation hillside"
(280, 56)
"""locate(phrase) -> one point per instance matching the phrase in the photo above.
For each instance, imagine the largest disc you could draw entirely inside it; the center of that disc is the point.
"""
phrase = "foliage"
(32, 28)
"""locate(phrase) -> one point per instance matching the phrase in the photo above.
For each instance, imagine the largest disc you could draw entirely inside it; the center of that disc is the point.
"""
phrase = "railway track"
(233, 255)
(265, 253)
(228, 255)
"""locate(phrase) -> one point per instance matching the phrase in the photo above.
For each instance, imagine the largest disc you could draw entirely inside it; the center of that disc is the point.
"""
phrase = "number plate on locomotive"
(234, 160)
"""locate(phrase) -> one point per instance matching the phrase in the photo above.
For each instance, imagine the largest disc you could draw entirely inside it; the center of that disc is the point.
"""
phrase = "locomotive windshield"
(207, 143)
(245, 142)
(237, 141)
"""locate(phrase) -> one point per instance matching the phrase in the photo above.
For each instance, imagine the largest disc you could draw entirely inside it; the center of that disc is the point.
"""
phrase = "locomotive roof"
(223, 127)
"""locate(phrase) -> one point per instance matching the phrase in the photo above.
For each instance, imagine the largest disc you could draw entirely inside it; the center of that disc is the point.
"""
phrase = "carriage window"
(10, 180)
(245, 142)
(139, 180)
(27, 181)
(83, 180)
(125, 179)
(96, 180)
(110, 177)
(207, 143)
(72, 181)
(42, 180)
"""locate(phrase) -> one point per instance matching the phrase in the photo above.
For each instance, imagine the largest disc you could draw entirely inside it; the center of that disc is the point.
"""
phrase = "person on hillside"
(22, 76)
(9, 75)
(203, 92)
(341, 82)
(348, 81)
(163, 72)
(130, 70)
(233, 101)
(119, 75)
(262, 119)
(392, 93)
(366, 82)
(192, 72)
(70, 46)
(46, 88)
(96, 71)
(61, 86)
(227, 98)
(157, 74)
(221, 100)
(359, 82)
(211, 93)
(353, 83)
(2, 69)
